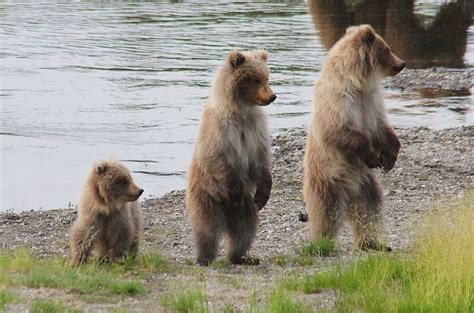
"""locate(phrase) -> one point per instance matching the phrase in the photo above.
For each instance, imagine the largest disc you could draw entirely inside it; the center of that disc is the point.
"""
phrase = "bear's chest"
(246, 142)
(365, 112)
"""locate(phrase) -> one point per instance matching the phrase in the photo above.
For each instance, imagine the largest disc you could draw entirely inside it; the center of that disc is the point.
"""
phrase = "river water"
(82, 82)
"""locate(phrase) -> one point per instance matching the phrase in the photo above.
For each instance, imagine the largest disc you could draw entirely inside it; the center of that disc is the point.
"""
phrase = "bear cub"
(348, 137)
(109, 215)
(229, 179)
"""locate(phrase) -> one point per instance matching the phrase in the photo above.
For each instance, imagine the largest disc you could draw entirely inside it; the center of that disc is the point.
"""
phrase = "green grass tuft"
(6, 298)
(49, 306)
(280, 260)
(322, 247)
(435, 276)
(220, 264)
(21, 268)
(186, 302)
(280, 302)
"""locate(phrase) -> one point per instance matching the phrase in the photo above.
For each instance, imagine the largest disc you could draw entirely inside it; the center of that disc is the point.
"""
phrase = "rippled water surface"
(86, 81)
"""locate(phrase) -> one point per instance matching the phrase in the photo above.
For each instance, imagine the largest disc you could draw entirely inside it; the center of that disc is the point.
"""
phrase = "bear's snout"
(140, 192)
(272, 98)
(399, 68)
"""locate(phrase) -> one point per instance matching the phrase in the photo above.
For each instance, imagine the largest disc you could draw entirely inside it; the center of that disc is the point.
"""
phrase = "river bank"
(433, 164)
(435, 167)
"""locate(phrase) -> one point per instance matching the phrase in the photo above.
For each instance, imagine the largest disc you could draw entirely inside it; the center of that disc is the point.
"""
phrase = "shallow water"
(87, 81)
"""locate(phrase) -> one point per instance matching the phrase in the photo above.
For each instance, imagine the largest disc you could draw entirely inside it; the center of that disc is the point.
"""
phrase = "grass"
(50, 306)
(21, 268)
(281, 302)
(322, 247)
(186, 302)
(305, 255)
(435, 276)
(6, 298)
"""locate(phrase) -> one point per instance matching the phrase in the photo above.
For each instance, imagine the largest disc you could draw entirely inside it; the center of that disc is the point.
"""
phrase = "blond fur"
(349, 135)
(229, 178)
(109, 215)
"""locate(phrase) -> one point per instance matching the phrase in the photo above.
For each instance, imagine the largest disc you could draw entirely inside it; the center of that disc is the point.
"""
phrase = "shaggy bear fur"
(229, 179)
(109, 216)
(348, 137)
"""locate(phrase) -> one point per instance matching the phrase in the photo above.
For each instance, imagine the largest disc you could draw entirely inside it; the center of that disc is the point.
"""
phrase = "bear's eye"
(256, 81)
(121, 183)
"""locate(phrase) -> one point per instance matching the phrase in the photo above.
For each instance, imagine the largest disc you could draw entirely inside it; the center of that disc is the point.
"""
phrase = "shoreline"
(428, 83)
(434, 166)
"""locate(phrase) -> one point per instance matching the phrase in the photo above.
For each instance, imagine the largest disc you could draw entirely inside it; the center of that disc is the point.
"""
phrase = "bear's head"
(113, 183)
(245, 75)
(373, 53)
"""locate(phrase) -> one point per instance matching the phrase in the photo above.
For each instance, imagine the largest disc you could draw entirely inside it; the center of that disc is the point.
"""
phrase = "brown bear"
(109, 216)
(348, 137)
(229, 179)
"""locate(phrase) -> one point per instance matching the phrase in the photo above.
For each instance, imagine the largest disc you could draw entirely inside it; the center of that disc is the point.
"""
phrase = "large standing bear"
(229, 180)
(348, 137)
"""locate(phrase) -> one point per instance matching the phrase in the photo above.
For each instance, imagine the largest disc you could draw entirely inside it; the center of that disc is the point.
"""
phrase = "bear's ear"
(367, 34)
(262, 54)
(351, 29)
(100, 167)
(236, 58)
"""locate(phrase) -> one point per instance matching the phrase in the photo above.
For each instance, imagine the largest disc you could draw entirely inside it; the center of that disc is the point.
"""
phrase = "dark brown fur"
(229, 179)
(109, 216)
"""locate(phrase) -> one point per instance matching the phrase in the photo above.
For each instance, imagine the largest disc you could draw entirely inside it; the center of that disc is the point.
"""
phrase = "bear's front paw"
(261, 200)
(387, 160)
(371, 160)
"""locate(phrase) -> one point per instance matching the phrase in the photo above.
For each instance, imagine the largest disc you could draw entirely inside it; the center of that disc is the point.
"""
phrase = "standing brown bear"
(109, 216)
(229, 180)
(348, 137)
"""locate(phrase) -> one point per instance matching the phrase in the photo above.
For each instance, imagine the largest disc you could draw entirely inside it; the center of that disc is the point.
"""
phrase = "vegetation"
(5, 298)
(305, 255)
(322, 247)
(185, 302)
(21, 268)
(435, 276)
(49, 306)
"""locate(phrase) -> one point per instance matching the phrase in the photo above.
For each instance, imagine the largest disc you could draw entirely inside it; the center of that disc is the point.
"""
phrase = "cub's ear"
(101, 167)
(367, 34)
(236, 58)
(262, 54)
(351, 29)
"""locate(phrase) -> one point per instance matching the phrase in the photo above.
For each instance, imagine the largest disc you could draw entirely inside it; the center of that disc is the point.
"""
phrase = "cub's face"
(374, 51)
(389, 63)
(250, 77)
(115, 183)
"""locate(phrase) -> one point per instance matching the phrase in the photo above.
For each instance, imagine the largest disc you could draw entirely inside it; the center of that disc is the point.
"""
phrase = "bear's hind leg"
(207, 242)
(242, 230)
(365, 216)
(206, 223)
(324, 205)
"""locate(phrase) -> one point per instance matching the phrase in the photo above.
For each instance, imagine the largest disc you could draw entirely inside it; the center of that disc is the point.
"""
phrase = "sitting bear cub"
(109, 216)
